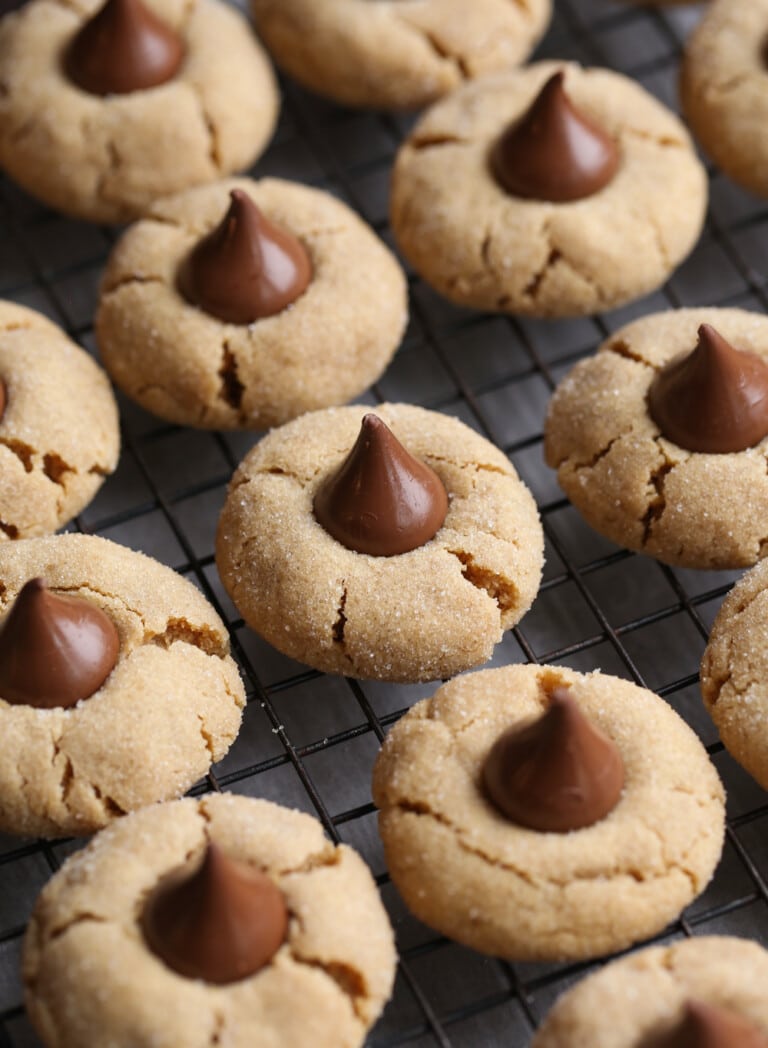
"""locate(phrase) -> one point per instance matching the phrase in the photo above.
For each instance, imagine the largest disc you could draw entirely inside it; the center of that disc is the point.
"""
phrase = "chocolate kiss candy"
(54, 649)
(553, 152)
(714, 399)
(381, 500)
(221, 923)
(123, 48)
(705, 1026)
(557, 774)
(246, 268)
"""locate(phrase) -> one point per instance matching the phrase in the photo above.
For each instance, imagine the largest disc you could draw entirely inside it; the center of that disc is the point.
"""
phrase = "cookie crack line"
(181, 631)
(663, 141)
(129, 280)
(214, 149)
(657, 504)
(349, 981)
(423, 810)
(502, 590)
(232, 389)
(623, 349)
(440, 51)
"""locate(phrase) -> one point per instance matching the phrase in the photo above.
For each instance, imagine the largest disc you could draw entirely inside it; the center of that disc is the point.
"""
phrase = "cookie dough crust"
(90, 979)
(107, 159)
(422, 615)
(724, 89)
(465, 870)
(169, 709)
(59, 434)
(734, 672)
(193, 369)
(630, 483)
(393, 54)
(640, 997)
(480, 246)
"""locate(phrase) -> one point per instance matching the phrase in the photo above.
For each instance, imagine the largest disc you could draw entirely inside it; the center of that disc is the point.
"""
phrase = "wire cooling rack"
(309, 740)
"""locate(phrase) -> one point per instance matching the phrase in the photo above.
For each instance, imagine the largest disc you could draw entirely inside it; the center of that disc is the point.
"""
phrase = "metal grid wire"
(309, 740)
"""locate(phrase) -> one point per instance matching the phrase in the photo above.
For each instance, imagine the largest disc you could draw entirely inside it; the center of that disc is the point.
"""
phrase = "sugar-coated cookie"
(541, 247)
(724, 89)
(169, 706)
(395, 55)
(489, 882)
(59, 430)
(321, 345)
(106, 150)
(91, 977)
(734, 672)
(642, 1000)
(648, 491)
(435, 608)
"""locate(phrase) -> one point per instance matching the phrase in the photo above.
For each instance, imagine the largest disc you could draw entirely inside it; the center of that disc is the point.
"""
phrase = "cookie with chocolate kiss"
(539, 814)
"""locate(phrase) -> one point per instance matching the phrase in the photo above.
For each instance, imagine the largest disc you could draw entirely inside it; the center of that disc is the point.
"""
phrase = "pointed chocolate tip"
(55, 649)
(705, 1025)
(713, 399)
(124, 47)
(556, 774)
(381, 501)
(221, 922)
(246, 268)
(553, 151)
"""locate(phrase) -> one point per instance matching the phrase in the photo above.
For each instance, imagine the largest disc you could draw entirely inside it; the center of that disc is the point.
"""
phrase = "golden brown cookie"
(392, 55)
(106, 159)
(91, 979)
(187, 366)
(421, 615)
(482, 246)
(640, 489)
(734, 672)
(724, 89)
(169, 709)
(466, 870)
(59, 431)
(639, 998)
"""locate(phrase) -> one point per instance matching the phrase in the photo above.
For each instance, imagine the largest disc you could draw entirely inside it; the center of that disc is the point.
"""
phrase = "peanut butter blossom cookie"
(116, 684)
(734, 672)
(549, 191)
(221, 921)
(243, 304)
(535, 813)
(659, 440)
(394, 545)
(724, 89)
(393, 54)
(705, 992)
(59, 432)
(105, 108)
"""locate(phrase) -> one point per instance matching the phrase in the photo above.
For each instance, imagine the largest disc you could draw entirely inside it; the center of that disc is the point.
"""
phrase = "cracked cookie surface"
(724, 89)
(466, 870)
(90, 978)
(634, 486)
(59, 433)
(169, 709)
(421, 615)
(480, 246)
(106, 159)
(194, 369)
(636, 999)
(734, 672)
(394, 55)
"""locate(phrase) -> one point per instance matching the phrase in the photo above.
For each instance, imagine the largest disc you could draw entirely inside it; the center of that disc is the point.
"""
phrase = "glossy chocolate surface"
(554, 152)
(55, 649)
(247, 268)
(556, 774)
(714, 399)
(125, 47)
(221, 922)
(381, 500)
(707, 1026)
